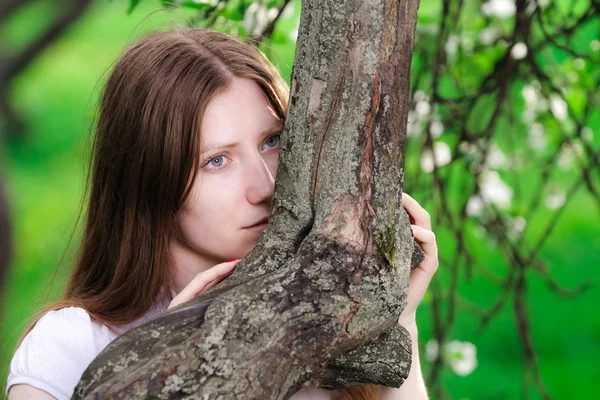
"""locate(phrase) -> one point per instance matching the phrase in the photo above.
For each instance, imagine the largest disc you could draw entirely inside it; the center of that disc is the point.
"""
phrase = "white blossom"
(412, 128)
(441, 150)
(516, 226)
(543, 3)
(256, 18)
(519, 223)
(211, 2)
(499, 8)
(467, 147)
(488, 35)
(495, 157)
(529, 115)
(556, 198)
(568, 153)
(558, 107)
(432, 349)
(531, 7)
(536, 138)
(423, 108)
(577, 147)
(288, 10)
(452, 44)
(294, 34)
(530, 94)
(474, 206)
(462, 357)
(542, 104)
(436, 128)
(272, 13)
(534, 101)
(420, 95)
(536, 129)
(519, 51)
(494, 190)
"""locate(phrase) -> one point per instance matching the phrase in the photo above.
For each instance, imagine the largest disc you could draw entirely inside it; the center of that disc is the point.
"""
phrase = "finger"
(193, 290)
(198, 284)
(215, 272)
(226, 274)
(419, 215)
(219, 269)
(418, 284)
(210, 285)
(426, 239)
(421, 276)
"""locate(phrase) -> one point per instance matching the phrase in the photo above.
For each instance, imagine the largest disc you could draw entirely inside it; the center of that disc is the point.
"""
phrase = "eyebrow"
(275, 128)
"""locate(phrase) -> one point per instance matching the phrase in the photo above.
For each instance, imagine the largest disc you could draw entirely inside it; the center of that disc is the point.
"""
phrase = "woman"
(166, 209)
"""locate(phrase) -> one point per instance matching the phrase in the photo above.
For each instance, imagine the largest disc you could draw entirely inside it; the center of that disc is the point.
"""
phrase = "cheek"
(209, 207)
(272, 160)
(201, 229)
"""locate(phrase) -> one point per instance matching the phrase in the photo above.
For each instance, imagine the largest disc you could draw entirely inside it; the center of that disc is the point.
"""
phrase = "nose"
(260, 181)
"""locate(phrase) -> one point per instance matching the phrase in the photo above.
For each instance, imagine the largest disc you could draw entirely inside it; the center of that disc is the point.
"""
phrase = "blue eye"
(273, 142)
(216, 162)
(219, 160)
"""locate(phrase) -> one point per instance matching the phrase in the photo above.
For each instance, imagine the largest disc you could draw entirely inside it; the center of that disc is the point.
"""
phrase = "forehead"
(242, 109)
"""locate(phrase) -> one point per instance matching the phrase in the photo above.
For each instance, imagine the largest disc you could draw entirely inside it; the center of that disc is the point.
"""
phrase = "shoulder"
(54, 354)
(62, 319)
(313, 393)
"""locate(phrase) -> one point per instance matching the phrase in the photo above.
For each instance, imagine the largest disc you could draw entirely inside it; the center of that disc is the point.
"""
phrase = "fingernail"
(233, 259)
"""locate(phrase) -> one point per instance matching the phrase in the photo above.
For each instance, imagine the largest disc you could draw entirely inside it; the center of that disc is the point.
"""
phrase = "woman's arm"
(414, 386)
(26, 392)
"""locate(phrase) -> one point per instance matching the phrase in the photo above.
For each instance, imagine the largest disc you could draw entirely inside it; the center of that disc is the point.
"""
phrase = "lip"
(259, 224)
(258, 227)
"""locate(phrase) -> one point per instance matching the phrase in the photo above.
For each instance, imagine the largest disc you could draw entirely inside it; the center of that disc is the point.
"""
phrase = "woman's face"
(238, 164)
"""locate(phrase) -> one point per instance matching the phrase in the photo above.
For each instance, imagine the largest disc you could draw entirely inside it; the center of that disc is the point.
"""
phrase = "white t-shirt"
(55, 353)
(61, 345)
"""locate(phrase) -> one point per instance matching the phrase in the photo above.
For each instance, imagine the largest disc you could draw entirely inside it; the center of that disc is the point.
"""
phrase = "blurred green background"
(44, 173)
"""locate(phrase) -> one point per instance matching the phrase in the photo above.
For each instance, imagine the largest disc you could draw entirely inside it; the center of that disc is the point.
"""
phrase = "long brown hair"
(144, 152)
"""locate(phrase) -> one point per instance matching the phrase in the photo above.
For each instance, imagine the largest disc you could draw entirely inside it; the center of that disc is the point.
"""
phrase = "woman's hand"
(420, 276)
(414, 386)
(204, 281)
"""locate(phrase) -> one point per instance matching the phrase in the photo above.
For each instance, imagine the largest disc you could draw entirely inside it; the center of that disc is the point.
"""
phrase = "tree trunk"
(319, 296)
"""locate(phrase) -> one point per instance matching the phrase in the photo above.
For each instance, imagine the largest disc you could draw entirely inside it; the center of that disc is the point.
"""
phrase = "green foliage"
(190, 4)
(57, 95)
(133, 4)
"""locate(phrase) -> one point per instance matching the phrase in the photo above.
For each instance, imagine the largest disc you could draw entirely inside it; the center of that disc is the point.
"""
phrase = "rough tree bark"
(319, 296)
